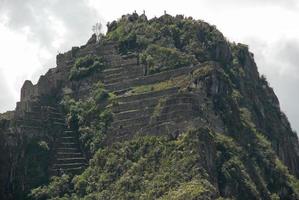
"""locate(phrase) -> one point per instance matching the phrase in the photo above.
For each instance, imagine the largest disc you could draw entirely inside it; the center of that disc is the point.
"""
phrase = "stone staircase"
(40, 119)
(68, 155)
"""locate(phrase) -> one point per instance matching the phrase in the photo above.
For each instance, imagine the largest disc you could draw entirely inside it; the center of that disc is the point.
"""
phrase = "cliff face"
(167, 102)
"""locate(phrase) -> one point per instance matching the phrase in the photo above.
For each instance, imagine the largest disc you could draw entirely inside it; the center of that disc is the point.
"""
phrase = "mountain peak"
(162, 108)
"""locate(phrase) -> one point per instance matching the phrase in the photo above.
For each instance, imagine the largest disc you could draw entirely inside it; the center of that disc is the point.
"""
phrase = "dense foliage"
(89, 118)
(144, 168)
(59, 186)
(159, 168)
(169, 42)
(86, 65)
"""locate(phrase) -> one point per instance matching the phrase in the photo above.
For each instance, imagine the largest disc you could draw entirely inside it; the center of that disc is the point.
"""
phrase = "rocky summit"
(162, 108)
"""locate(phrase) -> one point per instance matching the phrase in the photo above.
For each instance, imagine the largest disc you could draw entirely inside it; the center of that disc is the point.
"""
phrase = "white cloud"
(19, 59)
(6, 96)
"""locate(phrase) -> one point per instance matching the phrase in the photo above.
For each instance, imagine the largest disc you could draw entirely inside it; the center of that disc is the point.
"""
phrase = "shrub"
(58, 187)
(160, 59)
(84, 66)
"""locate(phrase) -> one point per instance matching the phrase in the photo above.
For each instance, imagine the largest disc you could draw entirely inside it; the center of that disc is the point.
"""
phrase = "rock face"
(222, 93)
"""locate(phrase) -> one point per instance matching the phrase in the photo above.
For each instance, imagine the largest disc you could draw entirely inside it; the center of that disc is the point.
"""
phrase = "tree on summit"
(97, 28)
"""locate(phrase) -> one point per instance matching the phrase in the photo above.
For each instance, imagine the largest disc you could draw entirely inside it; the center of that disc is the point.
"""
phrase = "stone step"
(151, 101)
(68, 131)
(132, 113)
(132, 125)
(52, 109)
(133, 102)
(68, 134)
(151, 79)
(69, 165)
(62, 150)
(129, 71)
(74, 170)
(67, 139)
(121, 78)
(111, 71)
(113, 75)
(70, 160)
(68, 144)
(122, 62)
(68, 154)
(121, 92)
(153, 94)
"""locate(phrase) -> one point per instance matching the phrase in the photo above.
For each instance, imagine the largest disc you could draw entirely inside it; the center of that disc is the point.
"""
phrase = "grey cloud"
(289, 4)
(5, 96)
(75, 15)
(288, 51)
(281, 54)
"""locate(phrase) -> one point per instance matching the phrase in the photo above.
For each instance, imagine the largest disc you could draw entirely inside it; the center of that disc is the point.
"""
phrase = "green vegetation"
(159, 59)
(144, 168)
(192, 190)
(90, 118)
(84, 66)
(169, 42)
(37, 157)
(151, 167)
(58, 187)
(158, 109)
(33, 161)
(231, 169)
(180, 81)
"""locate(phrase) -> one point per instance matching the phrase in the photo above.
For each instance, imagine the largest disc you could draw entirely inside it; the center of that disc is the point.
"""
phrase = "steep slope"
(165, 108)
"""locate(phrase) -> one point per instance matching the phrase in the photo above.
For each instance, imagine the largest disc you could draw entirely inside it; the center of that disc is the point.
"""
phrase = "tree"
(97, 28)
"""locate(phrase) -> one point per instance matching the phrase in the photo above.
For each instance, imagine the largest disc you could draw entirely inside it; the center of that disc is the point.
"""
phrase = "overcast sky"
(32, 32)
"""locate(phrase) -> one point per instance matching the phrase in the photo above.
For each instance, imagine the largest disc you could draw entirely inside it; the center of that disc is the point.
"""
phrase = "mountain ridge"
(171, 81)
